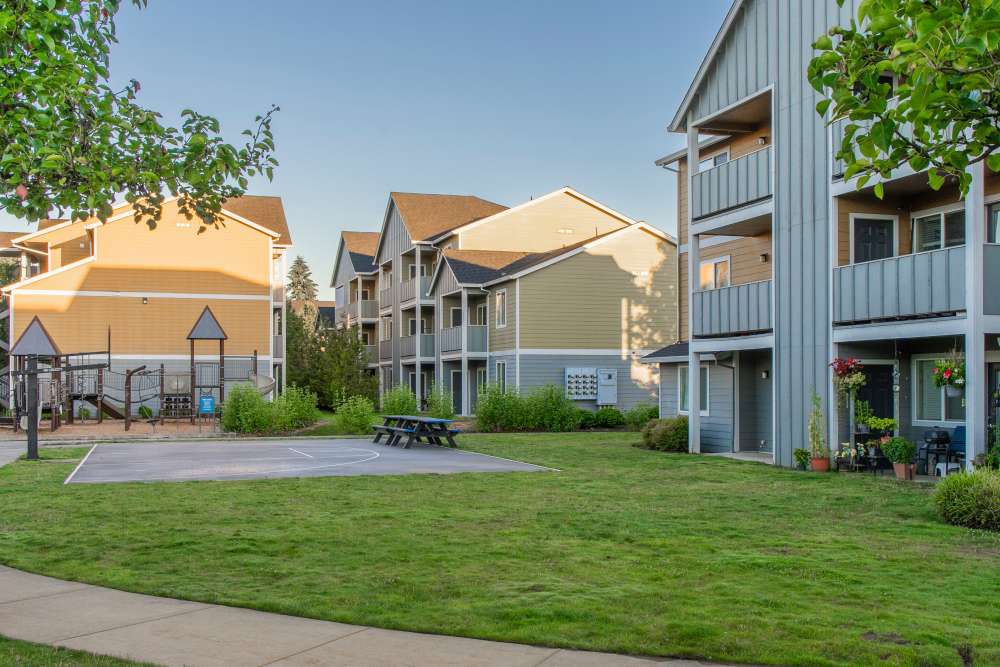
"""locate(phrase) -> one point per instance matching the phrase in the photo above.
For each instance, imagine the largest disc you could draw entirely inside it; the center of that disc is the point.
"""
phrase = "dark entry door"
(878, 390)
(456, 391)
(872, 239)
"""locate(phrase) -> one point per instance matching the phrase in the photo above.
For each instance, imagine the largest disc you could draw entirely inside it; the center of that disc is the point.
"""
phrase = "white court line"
(80, 464)
(302, 453)
(471, 451)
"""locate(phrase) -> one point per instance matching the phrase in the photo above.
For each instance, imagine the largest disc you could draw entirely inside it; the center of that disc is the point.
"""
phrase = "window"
(412, 324)
(366, 337)
(427, 326)
(714, 161)
(501, 312)
(993, 224)
(365, 295)
(456, 317)
(481, 314)
(386, 328)
(931, 404)
(481, 378)
(413, 270)
(682, 389)
(715, 273)
(502, 375)
(939, 230)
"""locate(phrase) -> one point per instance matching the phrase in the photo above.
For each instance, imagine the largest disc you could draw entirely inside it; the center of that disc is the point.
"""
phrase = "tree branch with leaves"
(70, 144)
(919, 84)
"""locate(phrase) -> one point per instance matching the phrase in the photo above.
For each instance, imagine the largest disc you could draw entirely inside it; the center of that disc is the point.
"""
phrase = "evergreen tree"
(332, 364)
(301, 286)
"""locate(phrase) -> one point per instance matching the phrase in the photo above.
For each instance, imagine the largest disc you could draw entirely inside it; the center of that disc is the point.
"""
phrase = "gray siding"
(345, 268)
(742, 181)
(395, 239)
(511, 360)
(446, 282)
(717, 425)
(538, 370)
(737, 309)
(903, 286)
(755, 401)
(991, 276)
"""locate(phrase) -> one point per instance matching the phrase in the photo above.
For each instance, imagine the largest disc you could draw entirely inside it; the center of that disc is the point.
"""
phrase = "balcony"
(736, 183)
(368, 309)
(278, 347)
(277, 293)
(371, 352)
(729, 311)
(926, 283)
(351, 309)
(384, 350)
(385, 297)
(408, 288)
(451, 339)
(837, 130)
(408, 345)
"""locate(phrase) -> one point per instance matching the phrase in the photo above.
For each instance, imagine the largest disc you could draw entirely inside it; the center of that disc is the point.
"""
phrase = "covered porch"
(464, 386)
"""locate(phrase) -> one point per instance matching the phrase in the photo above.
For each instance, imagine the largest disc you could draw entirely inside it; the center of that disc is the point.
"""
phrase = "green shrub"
(354, 416)
(144, 412)
(585, 419)
(84, 413)
(246, 411)
(666, 435)
(440, 403)
(801, 457)
(547, 408)
(641, 415)
(608, 417)
(295, 408)
(970, 499)
(399, 401)
(899, 450)
(496, 409)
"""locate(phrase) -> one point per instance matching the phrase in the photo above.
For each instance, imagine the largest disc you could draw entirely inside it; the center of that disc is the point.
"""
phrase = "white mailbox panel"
(607, 386)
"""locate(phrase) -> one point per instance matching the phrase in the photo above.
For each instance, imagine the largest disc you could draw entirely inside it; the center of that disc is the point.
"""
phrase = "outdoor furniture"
(415, 429)
(945, 469)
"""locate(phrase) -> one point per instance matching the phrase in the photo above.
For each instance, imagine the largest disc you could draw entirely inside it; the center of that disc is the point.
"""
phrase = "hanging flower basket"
(847, 376)
(950, 374)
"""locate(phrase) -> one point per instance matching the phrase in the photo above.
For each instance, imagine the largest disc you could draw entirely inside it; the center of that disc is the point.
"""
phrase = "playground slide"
(264, 384)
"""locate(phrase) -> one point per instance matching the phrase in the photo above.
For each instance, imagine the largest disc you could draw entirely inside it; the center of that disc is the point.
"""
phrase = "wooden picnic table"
(414, 428)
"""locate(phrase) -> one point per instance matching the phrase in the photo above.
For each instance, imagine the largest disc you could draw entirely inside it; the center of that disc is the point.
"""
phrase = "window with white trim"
(944, 229)
(993, 224)
(714, 161)
(412, 323)
(714, 273)
(456, 317)
(932, 404)
(481, 378)
(413, 270)
(682, 390)
(501, 309)
(366, 337)
(386, 328)
(481, 312)
(501, 375)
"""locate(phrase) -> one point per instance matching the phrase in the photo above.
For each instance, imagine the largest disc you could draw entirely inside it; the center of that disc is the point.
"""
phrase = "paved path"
(176, 632)
(10, 451)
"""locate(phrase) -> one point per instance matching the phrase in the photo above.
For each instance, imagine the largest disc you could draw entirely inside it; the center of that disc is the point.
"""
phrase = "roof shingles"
(361, 248)
(428, 216)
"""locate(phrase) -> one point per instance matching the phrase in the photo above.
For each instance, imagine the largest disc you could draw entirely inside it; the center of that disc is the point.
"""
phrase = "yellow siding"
(160, 327)
(620, 294)
(503, 338)
(544, 225)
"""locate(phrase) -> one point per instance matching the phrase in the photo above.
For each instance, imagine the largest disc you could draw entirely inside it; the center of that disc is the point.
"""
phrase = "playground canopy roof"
(207, 327)
(35, 340)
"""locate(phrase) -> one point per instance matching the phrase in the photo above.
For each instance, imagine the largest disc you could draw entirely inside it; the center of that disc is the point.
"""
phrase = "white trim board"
(151, 295)
(173, 357)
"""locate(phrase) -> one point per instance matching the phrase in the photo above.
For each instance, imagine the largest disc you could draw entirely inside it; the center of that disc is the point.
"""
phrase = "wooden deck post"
(193, 389)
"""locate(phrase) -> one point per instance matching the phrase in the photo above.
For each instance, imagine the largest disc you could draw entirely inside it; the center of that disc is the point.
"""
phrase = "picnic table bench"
(415, 429)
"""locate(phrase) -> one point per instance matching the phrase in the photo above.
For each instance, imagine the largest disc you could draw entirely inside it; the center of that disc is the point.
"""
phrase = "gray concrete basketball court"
(265, 459)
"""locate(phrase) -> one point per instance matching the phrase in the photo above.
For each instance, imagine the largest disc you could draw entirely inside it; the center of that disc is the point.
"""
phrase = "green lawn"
(15, 653)
(623, 550)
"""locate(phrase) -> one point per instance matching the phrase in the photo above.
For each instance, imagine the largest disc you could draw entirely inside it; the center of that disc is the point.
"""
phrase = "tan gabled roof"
(267, 212)
(427, 216)
(49, 222)
(363, 243)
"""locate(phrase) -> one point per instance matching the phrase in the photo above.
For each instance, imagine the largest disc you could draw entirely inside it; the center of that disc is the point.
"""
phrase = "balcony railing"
(371, 351)
(991, 276)
(742, 181)
(278, 351)
(451, 339)
(368, 309)
(477, 338)
(351, 309)
(385, 349)
(740, 309)
(408, 288)
(385, 297)
(925, 283)
(408, 345)
(277, 293)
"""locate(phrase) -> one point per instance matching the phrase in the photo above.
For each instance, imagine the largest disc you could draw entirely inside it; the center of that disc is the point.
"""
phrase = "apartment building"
(785, 265)
(541, 293)
(355, 283)
(144, 286)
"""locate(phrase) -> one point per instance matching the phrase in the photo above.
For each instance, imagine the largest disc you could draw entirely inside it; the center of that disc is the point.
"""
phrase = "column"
(975, 344)
(694, 267)
(417, 386)
(465, 351)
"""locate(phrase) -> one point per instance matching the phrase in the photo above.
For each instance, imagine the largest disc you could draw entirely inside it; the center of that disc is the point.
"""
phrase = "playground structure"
(70, 383)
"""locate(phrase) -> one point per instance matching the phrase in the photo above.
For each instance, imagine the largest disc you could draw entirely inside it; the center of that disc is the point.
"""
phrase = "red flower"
(947, 374)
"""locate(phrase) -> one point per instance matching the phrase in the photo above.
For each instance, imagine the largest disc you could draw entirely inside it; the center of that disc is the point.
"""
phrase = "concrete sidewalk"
(175, 632)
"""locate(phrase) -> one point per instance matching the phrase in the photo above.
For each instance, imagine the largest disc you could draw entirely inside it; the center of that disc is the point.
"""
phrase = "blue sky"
(502, 100)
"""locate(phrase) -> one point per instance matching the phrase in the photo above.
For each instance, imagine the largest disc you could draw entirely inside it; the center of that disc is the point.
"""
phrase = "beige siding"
(543, 225)
(502, 338)
(620, 294)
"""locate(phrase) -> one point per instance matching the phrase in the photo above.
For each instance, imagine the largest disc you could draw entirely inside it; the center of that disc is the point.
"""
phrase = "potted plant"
(901, 452)
(847, 376)
(818, 451)
(801, 457)
(862, 413)
(883, 425)
(950, 374)
(849, 457)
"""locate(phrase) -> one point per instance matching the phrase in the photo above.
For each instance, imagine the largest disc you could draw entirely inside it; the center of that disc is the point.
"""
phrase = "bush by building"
(354, 416)
(246, 411)
(399, 400)
(666, 435)
(970, 499)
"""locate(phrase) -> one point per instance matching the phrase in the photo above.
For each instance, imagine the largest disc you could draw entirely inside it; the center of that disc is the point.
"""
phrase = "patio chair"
(956, 448)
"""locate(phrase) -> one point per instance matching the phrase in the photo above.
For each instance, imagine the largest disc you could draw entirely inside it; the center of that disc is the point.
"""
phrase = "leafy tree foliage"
(943, 111)
(330, 363)
(301, 286)
(70, 143)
